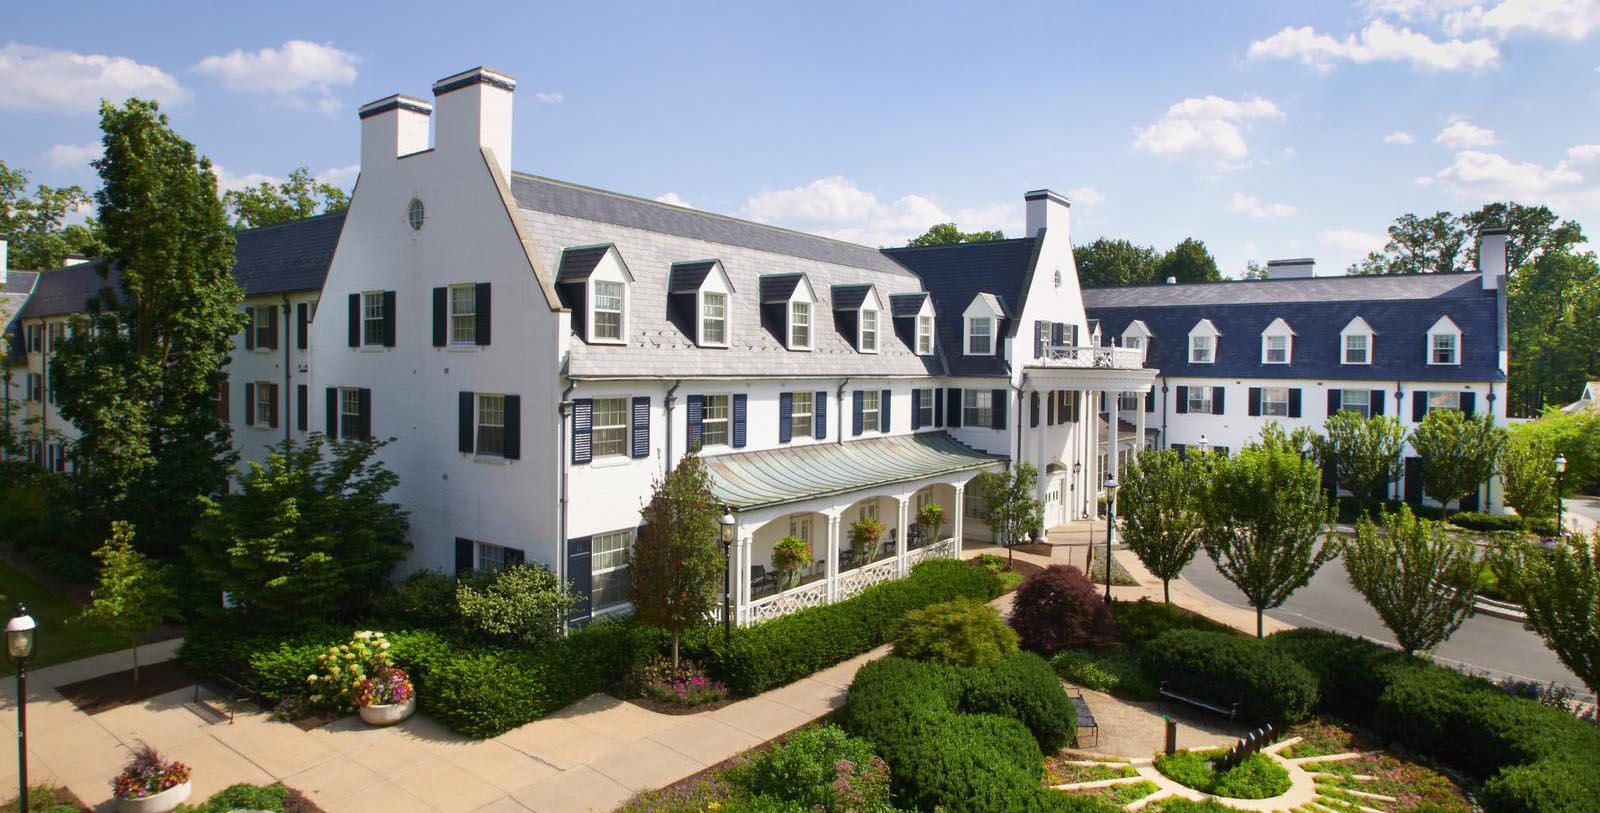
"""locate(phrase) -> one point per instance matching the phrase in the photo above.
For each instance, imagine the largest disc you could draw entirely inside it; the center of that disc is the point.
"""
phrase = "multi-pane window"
(491, 557)
(264, 403)
(714, 318)
(35, 386)
(800, 325)
(1357, 401)
(974, 507)
(1443, 400)
(1277, 349)
(869, 331)
(1200, 400)
(870, 407)
(925, 406)
(372, 318)
(1275, 402)
(263, 323)
(924, 335)
(608, 310)
(980, 336)
(350, 412)
(977, 408)
(491, 433)
(1200, 348)
(1128, 402)
(463, 314)
(802, 414)
(610, 427)
(1443, 348)
(1356, 349)
(714, 421)
(608, 568)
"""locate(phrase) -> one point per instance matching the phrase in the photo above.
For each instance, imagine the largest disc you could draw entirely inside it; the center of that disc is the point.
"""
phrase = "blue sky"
(1267, 129)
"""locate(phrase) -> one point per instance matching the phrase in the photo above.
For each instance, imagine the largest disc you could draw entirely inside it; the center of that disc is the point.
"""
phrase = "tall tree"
(1013, 512)
(1365, 452)
(130, 594)
(1105, 263)
(1188, 261)
(945, 234)
(36, 226)
(1528, 468)
(141, 386)
(1531, 231)
(1458, 453)
(1400, 567)
(1160, 501)
(1254, 270)
(299, 197)
(677, 563)
(1554, 314)
(1561, 594)
(1263, 511)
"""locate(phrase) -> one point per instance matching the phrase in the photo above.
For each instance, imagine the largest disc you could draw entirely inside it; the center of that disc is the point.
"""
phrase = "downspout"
(1399, 493)
(670, 400)
(563, 409)
(1164, 443)
(288, 385)
(840, 410)
(1019, 387)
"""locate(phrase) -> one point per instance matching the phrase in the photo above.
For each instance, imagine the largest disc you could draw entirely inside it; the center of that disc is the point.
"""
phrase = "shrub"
(804, 768)
(242, 797)
(521, 604)
(962, 632)
(685, 685)
(1142, 620)
(426, 598)
(1057, 607)
(783, 650)
(1350, 673)
(1115, 671)
(1270, 686)
(1257, 777)
(46, 799)
(342, 671)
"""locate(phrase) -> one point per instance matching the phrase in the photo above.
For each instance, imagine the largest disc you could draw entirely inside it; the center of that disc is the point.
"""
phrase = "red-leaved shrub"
(1057, 608)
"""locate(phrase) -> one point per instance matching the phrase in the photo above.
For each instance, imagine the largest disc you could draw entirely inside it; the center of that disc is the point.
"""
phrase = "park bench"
(1201, 694)
(234, 688)
(1085, 719)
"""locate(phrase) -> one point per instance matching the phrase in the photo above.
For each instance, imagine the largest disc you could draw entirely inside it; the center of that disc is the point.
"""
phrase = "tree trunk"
(135, 640)
(1166, 591)
(1259, 624)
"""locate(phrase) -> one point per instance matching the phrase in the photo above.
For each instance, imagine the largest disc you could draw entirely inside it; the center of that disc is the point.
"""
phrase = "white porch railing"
(944, 548)
(854, 581)
(779, 604)
(1093, 358)
(846, 584)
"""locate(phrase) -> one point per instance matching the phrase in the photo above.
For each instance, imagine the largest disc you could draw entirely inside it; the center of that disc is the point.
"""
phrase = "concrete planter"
(162, 802)
(388, 714)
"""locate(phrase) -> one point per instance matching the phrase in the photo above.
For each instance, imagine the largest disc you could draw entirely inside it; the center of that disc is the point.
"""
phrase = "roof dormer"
(980, 325)
(700, 300)
(595, 283)
(1355, 342)
(1444, 343)
(1277, 343)
(788, 306)
(858, 312)
(914, 321)
(1203, 339)
(1137, 335)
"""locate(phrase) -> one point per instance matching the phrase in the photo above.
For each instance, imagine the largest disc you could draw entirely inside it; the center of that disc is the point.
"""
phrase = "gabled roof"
(578, 262)
(779, 287)
(61, 291)
(849, 297)
(1305, 289)
(686, 278)
(907, 305)
(287, 258)
(954, 274)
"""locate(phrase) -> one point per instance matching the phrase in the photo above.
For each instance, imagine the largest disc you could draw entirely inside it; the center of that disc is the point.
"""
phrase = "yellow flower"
(311, 678)
(334, 669)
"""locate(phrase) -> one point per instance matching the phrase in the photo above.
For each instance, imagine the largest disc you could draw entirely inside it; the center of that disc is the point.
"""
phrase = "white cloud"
(46, 79)
(73, 156)
(1378, 42)
(1252, 206)
(1490, 176)
(673, 199)
(1206, 130)
(1462, 134)
(298, 72)
(1423, 180)
(1583, 153)
(1563, 19)
(835, 207)
(342, 177)
(549, 98)
(1009, 218)
(227, 181)
(1085, 196)
(1351, 240)
(1399, 137)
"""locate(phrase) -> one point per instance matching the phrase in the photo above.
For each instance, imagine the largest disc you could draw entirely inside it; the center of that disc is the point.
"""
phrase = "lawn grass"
(1257, 777)
(56, 640)
(1059, 771)
(1122, 794)
(1320, 737)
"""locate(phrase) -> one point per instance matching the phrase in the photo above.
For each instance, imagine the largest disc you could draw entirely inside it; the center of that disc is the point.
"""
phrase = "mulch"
(317, 719)
(678, 709)
(59, 795)
(118, 689)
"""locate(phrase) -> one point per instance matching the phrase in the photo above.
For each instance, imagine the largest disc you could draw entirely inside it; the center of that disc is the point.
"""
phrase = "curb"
(1498, 609)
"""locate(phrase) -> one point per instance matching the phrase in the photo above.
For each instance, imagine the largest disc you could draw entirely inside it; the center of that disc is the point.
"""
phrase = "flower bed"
(147, 774)
(1411, 785)
(1059, 770)
(1120, 794)
(1320, 736)
(1257, 777)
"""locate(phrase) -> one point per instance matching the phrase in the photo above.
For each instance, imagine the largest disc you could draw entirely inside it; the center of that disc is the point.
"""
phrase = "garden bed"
(48, 799)
(1257, 777)
(106, 692)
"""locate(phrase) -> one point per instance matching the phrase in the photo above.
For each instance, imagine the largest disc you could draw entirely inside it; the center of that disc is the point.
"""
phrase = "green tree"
(309, 535)
(523, 604)
(678, 565)
(1106, 263)
(141, 385)
(1160, 501)
(1263, 511)
(35, 225)
(1254, 270)
(1365, 452)
(299, 197)
(1575, 436)
(1458, 453)
(1400, 567)
(130, 594)
(1012, 510)
(1188, 261)
(946, 234)
(1561, 594)
(1554, 324)
(1531, 231)
(1528, 469)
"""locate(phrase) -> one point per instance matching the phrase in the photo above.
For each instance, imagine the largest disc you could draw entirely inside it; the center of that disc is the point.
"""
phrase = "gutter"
(840, 410)
(563, 409)
(670, 400)
(1164, 443)
(288, 387)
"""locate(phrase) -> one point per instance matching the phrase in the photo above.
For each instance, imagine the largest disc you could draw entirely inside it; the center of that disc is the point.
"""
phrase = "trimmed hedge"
(1473, 521)
(1271, 687)
(783, 650)
(1139, 621)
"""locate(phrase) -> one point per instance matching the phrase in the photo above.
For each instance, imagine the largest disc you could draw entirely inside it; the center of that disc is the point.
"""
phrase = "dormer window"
(981, 321)
(1136, 336)
(593, 282)
(1444, 342)
(858, 315)
(1355, 342)
(799, 325)
(980, 336)
(925, 335)
(869, 331)
(700, 301)
(714, 318)
(607, 314)
(788, 309)
(1203, 342)
(1277, 342)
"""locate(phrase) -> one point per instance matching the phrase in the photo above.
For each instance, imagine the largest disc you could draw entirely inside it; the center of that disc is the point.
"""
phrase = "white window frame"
(349, 411)
(1202, 349)
(609, 439)
(621, 311)
(871, 405)
(1268, 350)
(986, 335)
(372, 317)
(1201, 397)
(807, 414)
(1443, 399)
(977, 408)
(1129, 402)
(707, 320)
(724, 404)
(869, 335)
(1366, 349)
(926, 406)
(800, 526)
(483, 402)
(802, 322)
(1272, 405)
(924, 334)
(1434, 348)
(1361, 405)
(609, 554)
(463, 323)
(488, 557)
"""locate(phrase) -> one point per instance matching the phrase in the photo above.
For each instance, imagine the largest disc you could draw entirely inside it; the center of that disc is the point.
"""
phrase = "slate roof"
(954, 275)
(61, 291)
(907, 305)
(1399, 309)
(287, 258)
(579, 262)
(689, 276)
(778, 287)
(13, 296)
(849, 297)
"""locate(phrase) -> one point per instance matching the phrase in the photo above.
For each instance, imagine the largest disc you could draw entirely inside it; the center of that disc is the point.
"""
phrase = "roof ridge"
(296, 222)
(1342, 277)
(957, 245)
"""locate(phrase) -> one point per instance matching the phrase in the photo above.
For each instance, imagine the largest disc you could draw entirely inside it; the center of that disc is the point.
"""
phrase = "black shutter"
(1053, 410)
(463, 556)
(997, 412)
(786, 417)
(855, 416)
(1182, 407)
(740, 407)
(272, 327)
(1033, 410)
(515, 557)
(694, 414)
(1150, 400)
(1039, 333)
(466, 421)
(333, 413)
(1469, 403)
(580, 575)
(885, 404)
(250, 329)
(302, 402)
(582, 430)
(641, 426)
(1294, 402)
(938, 407)
(916, 409)
(1058, 331)
(1335, 402)
(388, 318)
(1255, 402)
(272, 413)
(1216, 401)
(1419, 405)
(512, 446)
(364, 408)
(819, 417)
(953, 410)
(1077, 406)
(249, 403)
(441, 316)
(355, 320)
(483, 309)
(1377, 402)
(302, 319)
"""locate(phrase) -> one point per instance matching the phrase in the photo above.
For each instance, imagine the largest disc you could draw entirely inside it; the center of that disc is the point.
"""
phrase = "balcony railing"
(1093, 358)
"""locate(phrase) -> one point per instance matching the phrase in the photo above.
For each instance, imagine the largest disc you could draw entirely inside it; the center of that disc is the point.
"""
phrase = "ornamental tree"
(1263, 510)
(1458, 453)
(130, 594)
(1057, 608)
(1420, 579)
(1160, 503)
(1012, 509)
(1528, 469)
(677, 563)
(1561, 594)
(1364, 452)
(525, 604)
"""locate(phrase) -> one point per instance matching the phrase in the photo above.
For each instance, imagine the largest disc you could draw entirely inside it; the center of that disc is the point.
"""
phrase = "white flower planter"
(388, 714)
(162, 802)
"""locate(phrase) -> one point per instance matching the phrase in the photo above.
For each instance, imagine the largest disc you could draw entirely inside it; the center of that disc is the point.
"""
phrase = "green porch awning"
(747, 480)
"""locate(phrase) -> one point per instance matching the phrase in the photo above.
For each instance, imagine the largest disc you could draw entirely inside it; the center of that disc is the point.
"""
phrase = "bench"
(1210, 697)
(234, 689)
(1085, 719)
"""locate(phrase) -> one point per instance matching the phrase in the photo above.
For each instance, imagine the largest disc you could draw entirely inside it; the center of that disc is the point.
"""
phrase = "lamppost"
(726, 525)
(1203, 444)
(1561, 468)
(1111, 518)
(19, 647)
(1077, 471)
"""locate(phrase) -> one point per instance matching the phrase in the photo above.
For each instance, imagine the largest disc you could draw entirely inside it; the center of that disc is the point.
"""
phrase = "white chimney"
(1048, 210)
(475, 111)
(1301, 268)
(3, 260)
(1492, 256)
(391, 127)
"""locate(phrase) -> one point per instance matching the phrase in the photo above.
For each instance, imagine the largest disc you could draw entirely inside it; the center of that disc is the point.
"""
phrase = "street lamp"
(19, 647)
(1203, 444)
(726, 525)
(1561, 468)
(1111, 518)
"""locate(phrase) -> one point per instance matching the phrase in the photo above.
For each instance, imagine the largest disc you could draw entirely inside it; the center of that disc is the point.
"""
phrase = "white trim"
(1279, 329)
(1444, 327)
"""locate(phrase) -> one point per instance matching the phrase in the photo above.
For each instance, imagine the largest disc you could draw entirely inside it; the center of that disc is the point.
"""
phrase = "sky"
(1272, 129)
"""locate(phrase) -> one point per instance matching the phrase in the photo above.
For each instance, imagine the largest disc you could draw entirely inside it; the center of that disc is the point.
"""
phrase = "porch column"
(1138, 421)
(833, 556)
(742, 579)
(1113, 455)
(961, 516)
(1091, 485)
(900, 535)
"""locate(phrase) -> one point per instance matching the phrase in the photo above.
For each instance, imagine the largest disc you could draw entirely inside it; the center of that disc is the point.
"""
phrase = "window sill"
(490, 459)
(461, 348)
(610, 462)
(374, 348)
